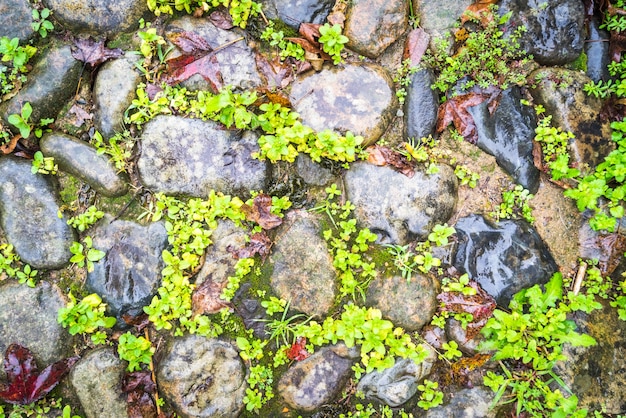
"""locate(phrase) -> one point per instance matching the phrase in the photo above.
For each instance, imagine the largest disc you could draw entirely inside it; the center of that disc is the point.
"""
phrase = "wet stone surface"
(295, 12)
(420, 106)
(15, 19)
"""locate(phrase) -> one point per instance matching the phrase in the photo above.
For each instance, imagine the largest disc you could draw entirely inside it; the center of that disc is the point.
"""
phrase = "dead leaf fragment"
(259, 244)
(260, 212)
(81, 115)
(221, 19)
(415, 46)
(381, 156)
(276, 73)
(205, 298)
(10, 146)
(481, 306)
(298, 351)
(456, 111)
(94, 52)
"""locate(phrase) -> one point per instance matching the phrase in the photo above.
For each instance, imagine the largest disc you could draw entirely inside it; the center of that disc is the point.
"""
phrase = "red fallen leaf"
(94, 53)
(259, 244)
(260, 212)
(221, 19)
(415, 46)
(198, 58)
(139, 389)
(26, 384)
(205, 298)
(380, 156)
(481, 306)
(298, 351)
(455, 111)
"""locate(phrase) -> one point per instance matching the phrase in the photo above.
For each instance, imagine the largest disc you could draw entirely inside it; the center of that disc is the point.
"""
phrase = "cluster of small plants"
(86, 219)
(135, 350)
(86, 317)
(284, 136)
(16, 56)
(614, 21)
(41, 24)
(84, 254)
(43, 165)
(10, 266)
(515, 203)
(240, 10)
(403, 79)
(332, 41)
(23, 124)
(369, 411)
(276, 38)
(460, 285)
(118, 148)
(485, 58)
(43, 408)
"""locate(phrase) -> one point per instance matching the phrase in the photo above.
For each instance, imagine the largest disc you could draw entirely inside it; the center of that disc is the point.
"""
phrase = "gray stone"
(421, 105)
(129, 275)
(191, 156)
(466, 403)
(356, 98)
(237, 62)
(96, 380)
(372, 25)
(574, 110)
(396, 385)
(455, 332)
(28, 316)
(439, 17)
(396, 207)
(303, 269)
(113, 92)
(311, 172)
(98, 17)
(504, 258)
(51, 83)
(315, 381)
(16, 19)
(41, 239)
(295, 12)
(202, 378)
(597, 50)
(82, 160)
(555, 30)
(409, 304)
(508, 135)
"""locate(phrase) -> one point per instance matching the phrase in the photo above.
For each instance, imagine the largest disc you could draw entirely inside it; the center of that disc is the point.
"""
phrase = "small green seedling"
(41, 24)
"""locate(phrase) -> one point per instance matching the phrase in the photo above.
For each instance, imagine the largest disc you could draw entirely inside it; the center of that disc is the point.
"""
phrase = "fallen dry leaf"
(259, 244)
(479, 11)
(139, 389)
(381, 156)
(205, 298)
(481, 306)
(275, 72)
(222, 19)
(10, 146)
(81, 115)
(260, 212)
(298, 351)
(415, 46)
(94, 52)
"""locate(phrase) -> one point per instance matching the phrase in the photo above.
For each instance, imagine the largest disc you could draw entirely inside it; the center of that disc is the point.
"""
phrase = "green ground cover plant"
(12, 267)
(86, 317)
(135, 350)
(240, 10)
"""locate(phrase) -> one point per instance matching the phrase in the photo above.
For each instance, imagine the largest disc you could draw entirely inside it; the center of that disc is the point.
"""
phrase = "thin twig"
(579, 277)
(153, 375)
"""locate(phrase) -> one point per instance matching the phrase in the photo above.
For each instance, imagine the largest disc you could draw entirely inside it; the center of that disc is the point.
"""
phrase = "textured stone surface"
(15, 19)
(357, 98)
(438, 17)
(420, 106)
(28, 316)
(304, 277)
(372, 25)
(41, 239)
(202, 378)
(597, 50)
(82, 160)
(96, 380)
(466, 403)
(295, 12)
(129, 275)
(397, 208)
(191, 156)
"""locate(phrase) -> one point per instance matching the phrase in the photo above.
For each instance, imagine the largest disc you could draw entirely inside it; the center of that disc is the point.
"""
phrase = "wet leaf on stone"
(139, 389)
(26, 383)
(415, 46)
(198, 58)
(93, 52)
(611, 248)
(260, 212)
(205, 298)
(381, 156)
(275, 72)
(481, 306)
(139, 321)
(221, 19)
(456, 111)
(617, 44)
(298, 351)
(259, 244)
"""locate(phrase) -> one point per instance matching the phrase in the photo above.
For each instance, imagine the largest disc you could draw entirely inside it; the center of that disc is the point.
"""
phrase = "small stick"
(152, 374)
(579, 277)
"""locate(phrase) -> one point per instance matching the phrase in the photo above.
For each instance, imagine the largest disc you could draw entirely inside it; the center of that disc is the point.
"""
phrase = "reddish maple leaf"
(26, 384)
(94, 52)
(260, 212)
(298, 351)
(481, 306)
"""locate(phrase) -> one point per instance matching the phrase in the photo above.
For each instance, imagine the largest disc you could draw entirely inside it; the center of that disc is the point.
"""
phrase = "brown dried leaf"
(81, 115)
(455, 111)
(140, 389)
(479, 11)
(311, 32)
(381, 156)
(260, 212)
(275, 72)
(10, 146)
(612, 248)
(94, 53)
(337, 16)
(259, 244)
(139, 322)
(205, 298)
(617, 44)
(481, 306)
(308, 46)
(415, 46)
(222, 19)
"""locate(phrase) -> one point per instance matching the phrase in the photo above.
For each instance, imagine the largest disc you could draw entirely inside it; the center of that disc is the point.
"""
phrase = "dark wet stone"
(28, 316)
(357, 98)
(202, 377)
(114, 91)
(82, 160)
(596, 374)
(420, 106)
(504, 258)
(315, 381)
(508, 135)
(252, 313)
(237, 63)
(466, 403)
(98, 17)
(555, 29)
(408, 304)
(192, 157)
(100, 397)
(312, 172)
(373, 25)
(51, 83)
(303, 269)
(16, 19)
(439, 17)
(597, 50)
(295, 12)
(396, 385)
(129, 275)
(575, 111)
(397, 208)
(41, 239)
